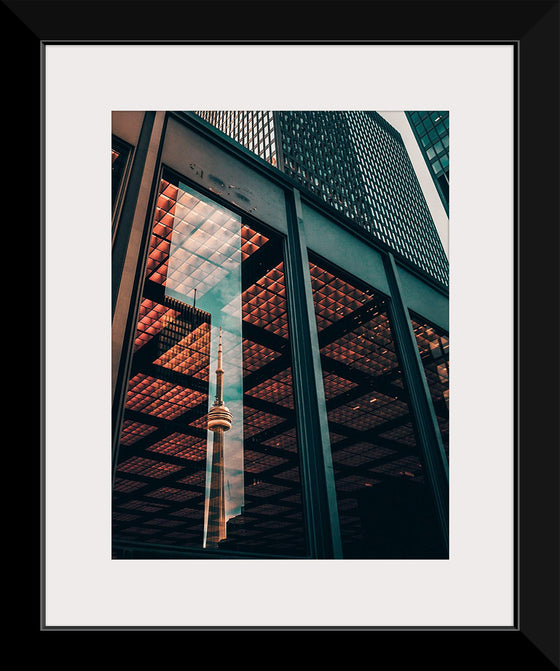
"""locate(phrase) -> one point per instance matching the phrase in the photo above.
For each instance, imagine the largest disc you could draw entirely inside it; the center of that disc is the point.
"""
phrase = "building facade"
(357, 163)
(240, 279)
(431, 130)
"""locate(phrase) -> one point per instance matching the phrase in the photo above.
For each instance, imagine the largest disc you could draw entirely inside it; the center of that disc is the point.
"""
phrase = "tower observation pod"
(219, 421)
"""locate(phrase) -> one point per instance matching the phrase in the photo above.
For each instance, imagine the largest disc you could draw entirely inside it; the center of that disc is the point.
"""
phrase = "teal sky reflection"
(205, 270)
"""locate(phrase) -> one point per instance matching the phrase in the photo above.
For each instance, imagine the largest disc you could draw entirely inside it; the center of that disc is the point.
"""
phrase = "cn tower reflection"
(219, 421)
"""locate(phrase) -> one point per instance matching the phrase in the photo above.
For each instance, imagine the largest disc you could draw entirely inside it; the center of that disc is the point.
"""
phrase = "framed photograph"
(113, 259)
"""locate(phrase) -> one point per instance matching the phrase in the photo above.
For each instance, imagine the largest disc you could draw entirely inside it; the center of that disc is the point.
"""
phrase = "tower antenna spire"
(219, 374)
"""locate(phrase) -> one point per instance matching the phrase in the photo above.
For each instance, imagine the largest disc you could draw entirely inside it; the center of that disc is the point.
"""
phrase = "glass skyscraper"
(431, 129)
(357, 163)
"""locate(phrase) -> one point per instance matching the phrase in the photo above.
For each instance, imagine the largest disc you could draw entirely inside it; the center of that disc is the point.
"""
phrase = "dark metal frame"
(118, 197)
(120, 242)
(532, 28)
(317, 480)
(130, 196)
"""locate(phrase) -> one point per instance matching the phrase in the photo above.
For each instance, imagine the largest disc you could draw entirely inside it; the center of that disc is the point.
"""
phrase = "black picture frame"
(532, 27)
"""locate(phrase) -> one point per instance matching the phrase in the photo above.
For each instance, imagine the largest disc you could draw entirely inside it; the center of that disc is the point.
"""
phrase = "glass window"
(443, 182)
(384, 506)
(120, 152)
(208, 455)
(433, 344)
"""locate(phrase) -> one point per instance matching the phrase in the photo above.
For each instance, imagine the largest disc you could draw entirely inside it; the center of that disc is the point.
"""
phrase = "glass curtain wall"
(208, 454)
(384, 505)
(432, 131)
(433, 345)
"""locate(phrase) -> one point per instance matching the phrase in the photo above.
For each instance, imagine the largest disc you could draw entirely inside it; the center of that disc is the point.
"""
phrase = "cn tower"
(219, 421)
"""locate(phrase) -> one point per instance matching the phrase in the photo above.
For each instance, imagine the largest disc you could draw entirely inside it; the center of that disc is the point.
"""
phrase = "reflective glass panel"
(208, 454)
(433, 344)
(384, 504)
(119, 158)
